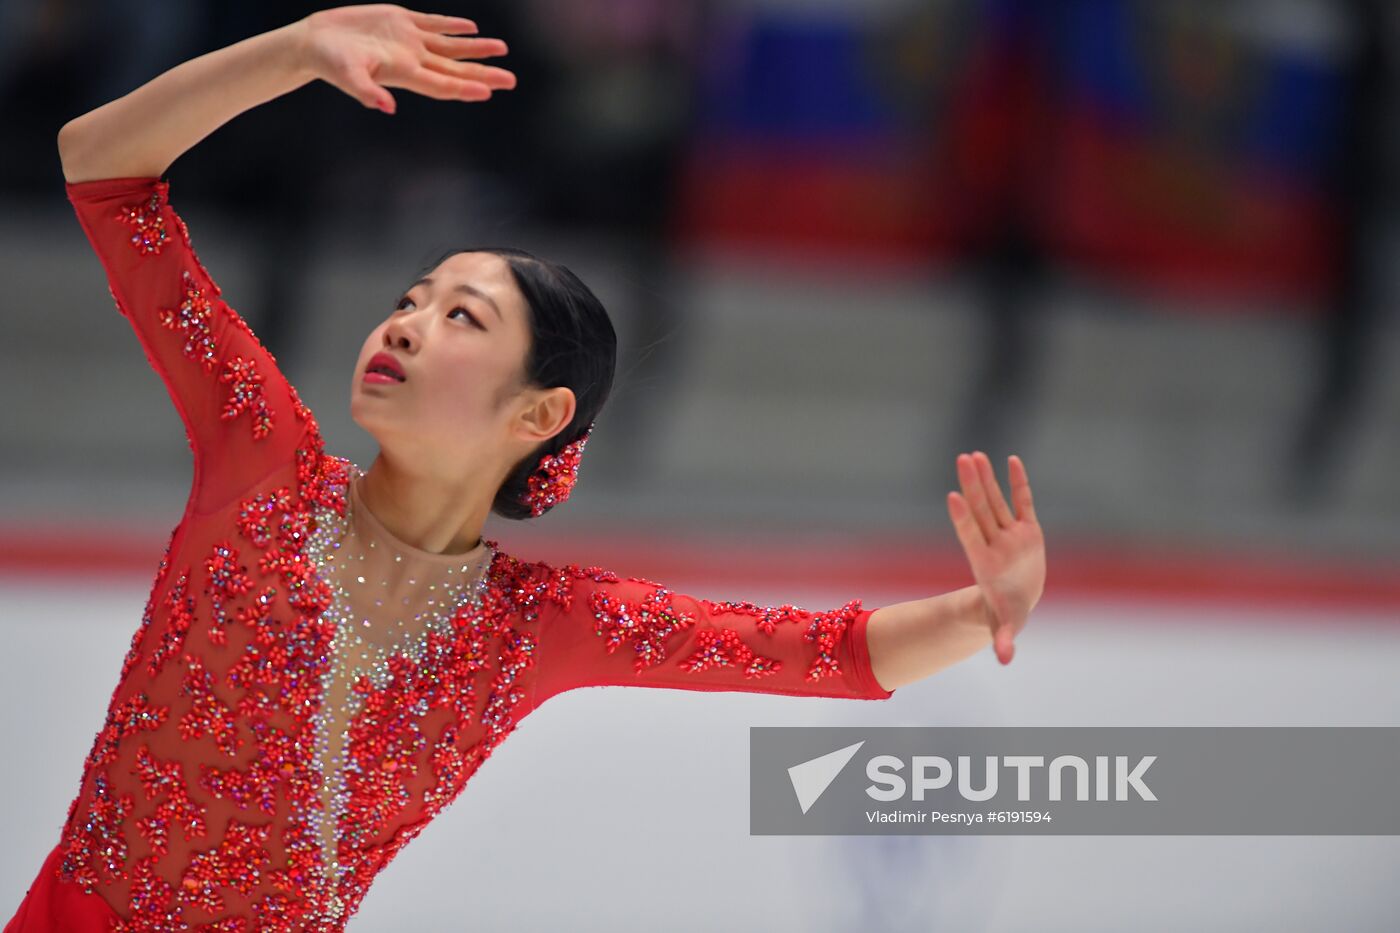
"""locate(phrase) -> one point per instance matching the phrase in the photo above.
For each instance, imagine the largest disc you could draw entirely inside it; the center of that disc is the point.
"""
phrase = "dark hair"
(572, 343)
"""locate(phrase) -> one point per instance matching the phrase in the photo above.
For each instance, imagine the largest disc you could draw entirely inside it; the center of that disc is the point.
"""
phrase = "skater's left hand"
(1006, 551)
(367, 48)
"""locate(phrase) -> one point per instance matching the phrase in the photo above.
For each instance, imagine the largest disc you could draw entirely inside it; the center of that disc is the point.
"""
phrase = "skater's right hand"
(1005, 550)
(367, 48)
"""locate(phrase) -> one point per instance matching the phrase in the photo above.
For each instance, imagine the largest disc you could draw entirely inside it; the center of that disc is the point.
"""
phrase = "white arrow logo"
(810, 779)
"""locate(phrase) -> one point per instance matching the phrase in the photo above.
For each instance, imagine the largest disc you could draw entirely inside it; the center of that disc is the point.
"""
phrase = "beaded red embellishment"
(193, 319)
(151, 903)
(94, 850)
(826, 630)
(164, 781)
(769, 617)
(726, 648)
(135, 714)
(649, 624)
(645, 626)
(258, 784)
(227, 580)
(181, 606)
(208, 715)
(555, 476)
(246, 394)
(147, 220)
(237, 862)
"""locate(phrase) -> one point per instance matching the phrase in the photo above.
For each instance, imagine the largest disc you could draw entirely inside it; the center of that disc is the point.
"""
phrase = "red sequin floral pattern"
(180, 606)
(644, 625)
(95, 848)
(194, 320)
(147, 221)
(245, 393)
(227, 580)
(648, 635)
(164, 782)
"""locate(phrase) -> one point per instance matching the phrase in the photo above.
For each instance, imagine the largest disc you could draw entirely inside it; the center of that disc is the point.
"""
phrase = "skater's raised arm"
(361, 50)
(242, 417)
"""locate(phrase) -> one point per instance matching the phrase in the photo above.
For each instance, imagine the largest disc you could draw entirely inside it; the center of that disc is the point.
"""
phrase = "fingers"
(994, 496)
(1020, 489)
(983, 492)
(446, 87)
(460, 47)
(965, 525)
(1005, 644)
(437, 22)
(495, 78)
(976, 496)
(363, 88)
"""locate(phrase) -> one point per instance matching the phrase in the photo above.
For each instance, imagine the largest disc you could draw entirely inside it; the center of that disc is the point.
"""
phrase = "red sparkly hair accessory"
(554, 478)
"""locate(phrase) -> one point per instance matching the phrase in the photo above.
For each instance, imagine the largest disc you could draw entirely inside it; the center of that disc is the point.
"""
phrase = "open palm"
(1006, 551)
(362, 50)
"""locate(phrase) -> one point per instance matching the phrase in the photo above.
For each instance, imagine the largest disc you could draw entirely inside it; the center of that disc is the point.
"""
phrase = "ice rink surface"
(627, 809)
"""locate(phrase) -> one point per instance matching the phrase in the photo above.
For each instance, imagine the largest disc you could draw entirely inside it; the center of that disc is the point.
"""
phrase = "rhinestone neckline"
(354, 653)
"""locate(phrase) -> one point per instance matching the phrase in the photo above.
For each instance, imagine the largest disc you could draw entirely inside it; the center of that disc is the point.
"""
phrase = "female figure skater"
(328, 653)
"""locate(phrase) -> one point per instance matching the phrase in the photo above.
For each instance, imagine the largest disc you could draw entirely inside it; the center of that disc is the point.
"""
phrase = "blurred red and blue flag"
(1176, 144)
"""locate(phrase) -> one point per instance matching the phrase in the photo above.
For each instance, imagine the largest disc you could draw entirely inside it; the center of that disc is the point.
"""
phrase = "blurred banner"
(1178, 144)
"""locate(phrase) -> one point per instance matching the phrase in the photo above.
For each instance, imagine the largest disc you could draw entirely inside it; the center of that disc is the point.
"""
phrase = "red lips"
(383, 362)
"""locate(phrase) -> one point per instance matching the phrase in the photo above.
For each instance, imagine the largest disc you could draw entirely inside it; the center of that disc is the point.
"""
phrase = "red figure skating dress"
(305, 692)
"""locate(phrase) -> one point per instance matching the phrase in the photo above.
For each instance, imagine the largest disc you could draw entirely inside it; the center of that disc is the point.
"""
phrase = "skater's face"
(461, 335)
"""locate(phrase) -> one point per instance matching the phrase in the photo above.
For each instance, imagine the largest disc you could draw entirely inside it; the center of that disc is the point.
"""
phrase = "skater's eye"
(468, 314)
(475, 322)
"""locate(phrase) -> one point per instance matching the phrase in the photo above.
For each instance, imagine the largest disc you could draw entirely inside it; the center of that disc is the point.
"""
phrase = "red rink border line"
(858, 566)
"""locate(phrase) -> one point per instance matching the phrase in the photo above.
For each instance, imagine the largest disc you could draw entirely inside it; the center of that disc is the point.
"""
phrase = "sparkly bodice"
(388, 598)
(266, 752)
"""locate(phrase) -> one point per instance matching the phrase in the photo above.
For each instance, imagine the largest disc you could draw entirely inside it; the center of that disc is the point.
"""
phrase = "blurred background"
(1147, 245)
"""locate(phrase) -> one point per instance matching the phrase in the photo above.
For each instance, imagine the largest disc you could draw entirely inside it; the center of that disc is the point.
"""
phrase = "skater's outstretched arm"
(242, 417)
(601, 629)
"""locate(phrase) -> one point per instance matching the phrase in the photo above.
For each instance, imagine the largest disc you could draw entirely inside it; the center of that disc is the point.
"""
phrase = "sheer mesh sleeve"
(242, 417)
(599, 629)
